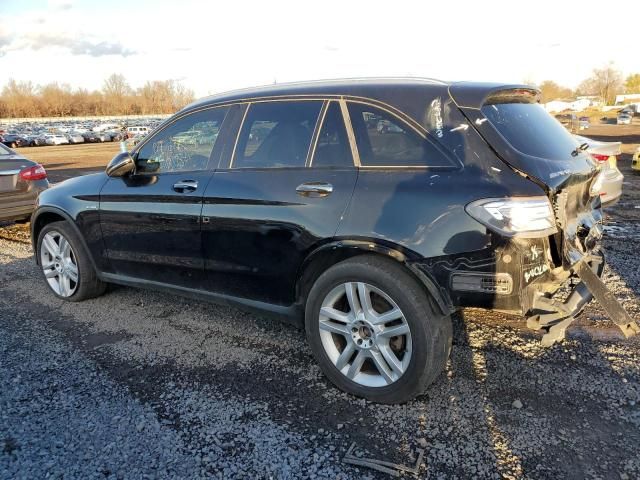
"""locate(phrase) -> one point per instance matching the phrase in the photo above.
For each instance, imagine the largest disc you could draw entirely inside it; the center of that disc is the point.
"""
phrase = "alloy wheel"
(365, 334)
(59, 264)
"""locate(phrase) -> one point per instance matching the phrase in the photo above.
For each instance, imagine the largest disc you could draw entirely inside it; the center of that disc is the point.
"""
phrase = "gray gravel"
(139, 383)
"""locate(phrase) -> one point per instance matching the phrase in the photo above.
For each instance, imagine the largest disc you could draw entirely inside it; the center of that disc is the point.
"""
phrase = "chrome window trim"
(350, 134)
(316, 133)
(235, 144)
(343, 101)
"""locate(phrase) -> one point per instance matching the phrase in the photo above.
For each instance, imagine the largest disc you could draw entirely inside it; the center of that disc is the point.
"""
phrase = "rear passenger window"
(384, 140)
(332, 149)
(276, 134)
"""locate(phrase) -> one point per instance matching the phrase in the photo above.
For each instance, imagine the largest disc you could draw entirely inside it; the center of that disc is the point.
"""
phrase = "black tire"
(431, 331)
(88, 285)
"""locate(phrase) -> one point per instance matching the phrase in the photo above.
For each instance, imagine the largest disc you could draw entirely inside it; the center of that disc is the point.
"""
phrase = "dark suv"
(290, 199)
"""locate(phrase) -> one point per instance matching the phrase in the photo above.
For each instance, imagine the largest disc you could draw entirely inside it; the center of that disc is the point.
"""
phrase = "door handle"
(185, 186)
(314, 189)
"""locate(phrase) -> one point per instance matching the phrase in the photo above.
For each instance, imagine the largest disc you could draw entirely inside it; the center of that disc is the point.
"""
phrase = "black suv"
(291, 199)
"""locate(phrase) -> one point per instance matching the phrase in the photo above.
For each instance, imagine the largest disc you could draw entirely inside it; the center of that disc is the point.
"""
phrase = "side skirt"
(292, 314)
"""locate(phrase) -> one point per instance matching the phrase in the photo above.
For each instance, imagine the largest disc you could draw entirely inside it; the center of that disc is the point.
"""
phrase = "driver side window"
(183, 146)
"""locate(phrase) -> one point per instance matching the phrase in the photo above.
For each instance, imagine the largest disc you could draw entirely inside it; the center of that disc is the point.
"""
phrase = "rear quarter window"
(383, 140)
(528, 128)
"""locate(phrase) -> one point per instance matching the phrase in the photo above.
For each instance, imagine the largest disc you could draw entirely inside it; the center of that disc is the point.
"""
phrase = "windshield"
(531, 130)
(4, 150)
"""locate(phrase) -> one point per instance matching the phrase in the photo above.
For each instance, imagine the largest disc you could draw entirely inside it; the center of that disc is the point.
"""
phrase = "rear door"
(275, 200)
(151, 220)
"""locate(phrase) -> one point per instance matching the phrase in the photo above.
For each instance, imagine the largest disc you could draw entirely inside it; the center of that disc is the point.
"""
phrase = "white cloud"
(224, 45)
(60, 4)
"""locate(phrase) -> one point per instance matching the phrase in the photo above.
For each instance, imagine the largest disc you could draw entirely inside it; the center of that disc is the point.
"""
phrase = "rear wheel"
(65, 264)
(374, 330)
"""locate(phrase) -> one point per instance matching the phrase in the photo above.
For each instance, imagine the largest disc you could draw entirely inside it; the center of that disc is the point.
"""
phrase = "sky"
(213, 46)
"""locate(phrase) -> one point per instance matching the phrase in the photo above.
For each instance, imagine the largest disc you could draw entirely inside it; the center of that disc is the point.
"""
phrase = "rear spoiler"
(475, 95)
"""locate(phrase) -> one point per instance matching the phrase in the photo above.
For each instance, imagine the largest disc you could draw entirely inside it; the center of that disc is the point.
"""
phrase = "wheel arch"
(47, 215)
(329, 254)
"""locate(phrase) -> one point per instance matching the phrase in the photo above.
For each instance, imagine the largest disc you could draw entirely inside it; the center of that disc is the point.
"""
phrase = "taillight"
(31, 174)
(600, 158)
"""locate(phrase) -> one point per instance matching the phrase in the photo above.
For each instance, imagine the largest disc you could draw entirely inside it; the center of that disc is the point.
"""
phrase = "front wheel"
(66, 265)
(374, 330)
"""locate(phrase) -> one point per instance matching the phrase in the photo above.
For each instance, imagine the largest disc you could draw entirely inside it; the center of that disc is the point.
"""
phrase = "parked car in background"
(34, 140)
(137, 131)
(623, 119)
(606, 155)
(370, 239)
(584, 123)
(627, 111)
(56, 139)
(13, 141)
(21, 181)
(75, 137)
(103, 136)
(114, 136)
(92, 137)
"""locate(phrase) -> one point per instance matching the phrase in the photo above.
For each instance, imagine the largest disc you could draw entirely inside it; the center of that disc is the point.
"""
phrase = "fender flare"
(398, 253)
(58, 211)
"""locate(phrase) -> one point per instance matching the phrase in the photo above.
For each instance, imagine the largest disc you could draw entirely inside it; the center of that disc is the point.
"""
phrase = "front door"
(151, 220)
(276, 201)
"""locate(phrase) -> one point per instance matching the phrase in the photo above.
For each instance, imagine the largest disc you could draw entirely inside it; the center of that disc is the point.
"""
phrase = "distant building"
(627, 98)
(561, 105)
(595, 100)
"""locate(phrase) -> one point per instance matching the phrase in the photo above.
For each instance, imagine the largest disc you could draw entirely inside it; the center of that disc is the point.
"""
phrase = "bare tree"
(23, 99)
(20, 99)
(55, 100)
(552, 91)
(605, 82)
(117, 91)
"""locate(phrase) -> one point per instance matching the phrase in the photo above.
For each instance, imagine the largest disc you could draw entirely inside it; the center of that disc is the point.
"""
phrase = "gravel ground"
(137, 384)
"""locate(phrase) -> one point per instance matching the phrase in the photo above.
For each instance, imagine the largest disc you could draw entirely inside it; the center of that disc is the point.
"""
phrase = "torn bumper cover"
(526, 277)
(554, 316)
(581, 256)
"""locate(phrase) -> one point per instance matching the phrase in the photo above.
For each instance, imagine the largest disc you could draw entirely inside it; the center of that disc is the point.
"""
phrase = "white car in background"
(56, 139)
(623, 119)
(606, 155)
(75, 137)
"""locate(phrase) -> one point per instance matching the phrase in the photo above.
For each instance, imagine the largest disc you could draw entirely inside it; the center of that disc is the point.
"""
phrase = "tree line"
(604, 83)
(24, 99)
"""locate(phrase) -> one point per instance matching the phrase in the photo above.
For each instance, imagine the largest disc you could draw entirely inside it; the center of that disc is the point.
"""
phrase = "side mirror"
(122, 164)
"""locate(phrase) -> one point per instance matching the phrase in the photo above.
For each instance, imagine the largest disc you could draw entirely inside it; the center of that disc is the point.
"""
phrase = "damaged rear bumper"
(533, 278)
